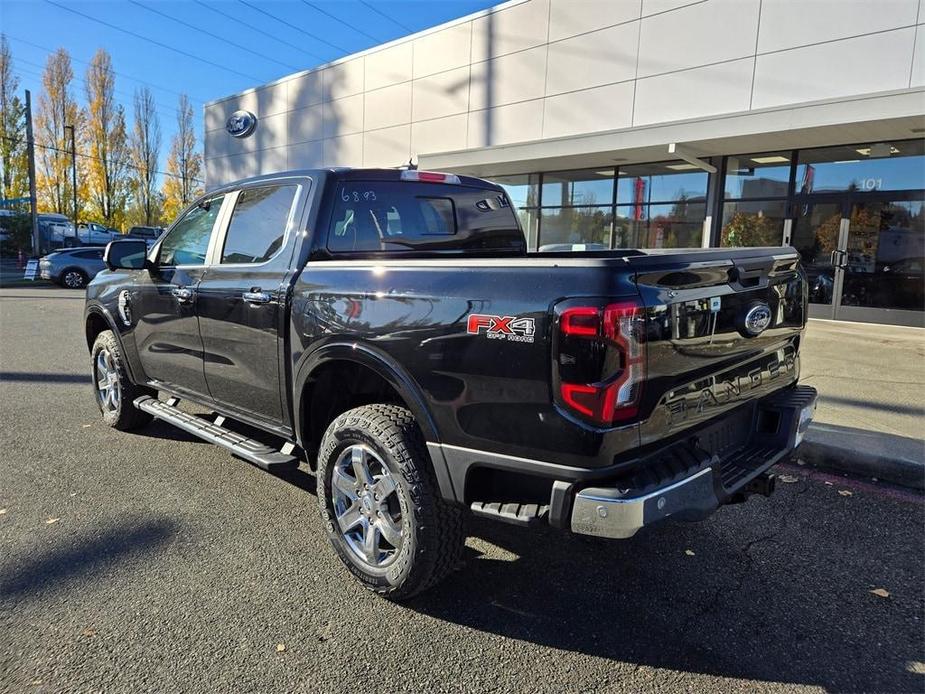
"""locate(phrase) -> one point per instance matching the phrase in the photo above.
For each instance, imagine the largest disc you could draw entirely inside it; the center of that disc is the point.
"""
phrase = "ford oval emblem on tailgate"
(756, 320)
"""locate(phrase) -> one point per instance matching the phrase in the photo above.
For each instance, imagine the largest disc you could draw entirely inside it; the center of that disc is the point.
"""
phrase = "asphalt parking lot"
(154, 562)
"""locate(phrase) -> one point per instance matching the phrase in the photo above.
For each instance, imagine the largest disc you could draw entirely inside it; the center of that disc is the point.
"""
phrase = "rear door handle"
(182, 294)
(256, 297)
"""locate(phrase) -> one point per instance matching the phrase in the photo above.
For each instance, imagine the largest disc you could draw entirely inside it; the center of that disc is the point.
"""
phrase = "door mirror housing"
(126, 255)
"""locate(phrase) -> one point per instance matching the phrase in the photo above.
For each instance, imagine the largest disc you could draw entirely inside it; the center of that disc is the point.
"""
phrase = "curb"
(885, 457)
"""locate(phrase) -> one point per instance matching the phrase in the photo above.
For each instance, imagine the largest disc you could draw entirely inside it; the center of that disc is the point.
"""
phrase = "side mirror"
(126, 255)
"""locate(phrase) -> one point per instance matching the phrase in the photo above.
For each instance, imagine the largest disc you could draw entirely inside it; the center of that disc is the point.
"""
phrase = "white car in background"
(96, 234)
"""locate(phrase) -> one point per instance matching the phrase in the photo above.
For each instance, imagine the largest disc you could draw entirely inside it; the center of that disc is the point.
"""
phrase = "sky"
(206, 48)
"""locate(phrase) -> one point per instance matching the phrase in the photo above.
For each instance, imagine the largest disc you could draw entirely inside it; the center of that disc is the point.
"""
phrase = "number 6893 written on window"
(357, 195)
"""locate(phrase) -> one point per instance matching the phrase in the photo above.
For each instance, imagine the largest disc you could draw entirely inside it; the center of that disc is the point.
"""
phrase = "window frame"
(220, 228)
(214, 259)
(220, 219)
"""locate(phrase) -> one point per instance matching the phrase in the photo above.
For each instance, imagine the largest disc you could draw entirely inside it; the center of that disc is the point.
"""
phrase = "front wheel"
(115, 393)
(380, 502)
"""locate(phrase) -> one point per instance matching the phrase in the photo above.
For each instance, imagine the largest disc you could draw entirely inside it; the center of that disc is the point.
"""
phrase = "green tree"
(14, 167)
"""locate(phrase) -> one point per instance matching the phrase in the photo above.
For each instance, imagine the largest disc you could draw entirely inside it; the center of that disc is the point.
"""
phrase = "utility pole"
(30, 153)
(73, 175)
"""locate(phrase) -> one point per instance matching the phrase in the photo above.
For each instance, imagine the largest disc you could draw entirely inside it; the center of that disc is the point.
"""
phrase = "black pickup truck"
(390, 329)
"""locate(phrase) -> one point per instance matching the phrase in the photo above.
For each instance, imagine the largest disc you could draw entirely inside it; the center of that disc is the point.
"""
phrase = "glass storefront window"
(885, 255)
(758, 175)
(575, 225)
(522, 189)
(585, 187)
(862, 168)
(664, 182)
(753, 223)
(678, 225)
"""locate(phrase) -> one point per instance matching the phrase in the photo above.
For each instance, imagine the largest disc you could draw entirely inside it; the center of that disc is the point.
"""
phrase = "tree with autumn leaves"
(118, 178)
(184, 164)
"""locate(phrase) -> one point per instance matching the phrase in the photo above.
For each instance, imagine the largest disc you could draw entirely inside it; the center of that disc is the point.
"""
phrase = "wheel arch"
(96, 320)
(374, 361)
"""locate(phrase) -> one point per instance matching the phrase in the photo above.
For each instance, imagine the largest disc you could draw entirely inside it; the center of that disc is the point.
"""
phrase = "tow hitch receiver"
(763, 484)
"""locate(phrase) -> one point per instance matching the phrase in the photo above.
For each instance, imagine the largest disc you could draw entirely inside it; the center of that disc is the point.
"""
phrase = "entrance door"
(863, 257)
(816, 235)
(881, 263)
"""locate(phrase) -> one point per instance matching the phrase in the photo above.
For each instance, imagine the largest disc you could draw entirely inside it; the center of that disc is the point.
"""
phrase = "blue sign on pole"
(15, 201)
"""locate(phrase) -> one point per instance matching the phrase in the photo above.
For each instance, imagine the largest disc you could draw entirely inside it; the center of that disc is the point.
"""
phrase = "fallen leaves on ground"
(2, 511)
(881, 592)
(280, 647)
(88, 632)
(52, 520)
(788, 479)
(689, 552)
(845, 492)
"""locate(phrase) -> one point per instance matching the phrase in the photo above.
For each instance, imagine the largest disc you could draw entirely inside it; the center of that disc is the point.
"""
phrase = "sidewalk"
(870, 419)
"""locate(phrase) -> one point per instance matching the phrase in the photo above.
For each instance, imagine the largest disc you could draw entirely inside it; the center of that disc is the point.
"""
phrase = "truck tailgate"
(722, 327)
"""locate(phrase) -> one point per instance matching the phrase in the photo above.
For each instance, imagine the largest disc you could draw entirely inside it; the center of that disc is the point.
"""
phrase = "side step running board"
(518, 514)
(260, 454)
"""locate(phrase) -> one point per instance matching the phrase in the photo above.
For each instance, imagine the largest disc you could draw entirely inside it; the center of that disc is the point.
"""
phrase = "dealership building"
(643, 124)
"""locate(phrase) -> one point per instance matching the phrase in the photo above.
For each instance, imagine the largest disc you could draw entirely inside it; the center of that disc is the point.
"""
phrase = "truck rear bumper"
(686, 483)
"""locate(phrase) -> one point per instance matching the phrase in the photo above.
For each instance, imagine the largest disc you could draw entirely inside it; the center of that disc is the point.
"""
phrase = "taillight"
(600, 360)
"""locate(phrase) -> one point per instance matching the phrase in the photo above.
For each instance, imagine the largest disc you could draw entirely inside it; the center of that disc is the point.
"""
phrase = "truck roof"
(361, 174)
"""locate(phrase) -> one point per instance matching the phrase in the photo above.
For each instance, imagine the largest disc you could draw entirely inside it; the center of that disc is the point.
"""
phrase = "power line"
(391, 19)
(151, 41)
(338, 19)
(123, 94)
(292, 26)
(259, 31)
(200, 30)
(90, 156)
(120, 74)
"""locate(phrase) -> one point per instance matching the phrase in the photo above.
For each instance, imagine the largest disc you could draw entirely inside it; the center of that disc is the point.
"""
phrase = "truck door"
(241, 299)
(163, 301)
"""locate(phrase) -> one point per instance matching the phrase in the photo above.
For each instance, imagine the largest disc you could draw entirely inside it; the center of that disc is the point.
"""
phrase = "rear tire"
(381, 504)
(114, 391)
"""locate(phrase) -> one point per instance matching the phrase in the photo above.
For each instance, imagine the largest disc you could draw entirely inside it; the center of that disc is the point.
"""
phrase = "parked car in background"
(149, 234)
(93, 234)
(72, 267)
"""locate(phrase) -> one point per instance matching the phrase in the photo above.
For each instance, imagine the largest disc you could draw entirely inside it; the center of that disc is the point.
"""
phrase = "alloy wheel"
(366, 506)
(73, 280)
(108, 387)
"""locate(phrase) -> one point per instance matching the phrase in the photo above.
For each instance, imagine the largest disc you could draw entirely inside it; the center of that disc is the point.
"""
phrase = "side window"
(188, 241)
(258, 224)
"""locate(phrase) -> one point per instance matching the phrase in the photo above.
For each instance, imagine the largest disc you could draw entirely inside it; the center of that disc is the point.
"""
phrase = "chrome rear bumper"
(619, 513)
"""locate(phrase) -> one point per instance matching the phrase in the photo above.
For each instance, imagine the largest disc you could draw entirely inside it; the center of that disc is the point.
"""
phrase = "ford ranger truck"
(390, 329)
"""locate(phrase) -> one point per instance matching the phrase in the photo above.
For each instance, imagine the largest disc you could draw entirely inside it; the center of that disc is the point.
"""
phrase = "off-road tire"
(126, 416)
(432, 529)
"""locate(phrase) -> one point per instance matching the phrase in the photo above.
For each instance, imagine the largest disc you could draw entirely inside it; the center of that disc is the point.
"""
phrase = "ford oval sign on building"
(241, 124)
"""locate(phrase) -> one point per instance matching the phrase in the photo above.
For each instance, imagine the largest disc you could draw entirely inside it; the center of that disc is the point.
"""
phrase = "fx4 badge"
(509, 328)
